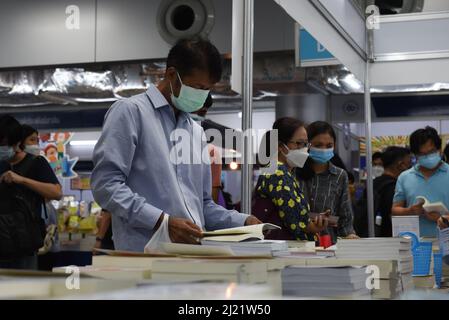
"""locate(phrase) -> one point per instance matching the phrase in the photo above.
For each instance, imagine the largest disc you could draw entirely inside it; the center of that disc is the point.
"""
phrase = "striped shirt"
(329, 191)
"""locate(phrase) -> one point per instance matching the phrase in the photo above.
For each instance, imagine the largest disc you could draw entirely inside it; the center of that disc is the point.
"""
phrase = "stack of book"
(345, 282)
(256, 271)
(380, 249)
(245, 241)
(112, 273)
(374, 248)
(275, 248)
(148, 269)
(391, 281)
(24, 284)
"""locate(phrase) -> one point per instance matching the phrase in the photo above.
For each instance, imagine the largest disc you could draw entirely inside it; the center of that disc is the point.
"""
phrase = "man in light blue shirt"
(429, 178)
(139, 178)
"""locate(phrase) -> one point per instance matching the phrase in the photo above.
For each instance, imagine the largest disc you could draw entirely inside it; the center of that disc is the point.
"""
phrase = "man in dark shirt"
(395, 161)
(24, 174)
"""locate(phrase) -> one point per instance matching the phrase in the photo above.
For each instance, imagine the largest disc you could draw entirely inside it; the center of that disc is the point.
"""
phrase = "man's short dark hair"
(377, 155)
(190, 54)
(392, 155)
(10, 129)
(422, 136)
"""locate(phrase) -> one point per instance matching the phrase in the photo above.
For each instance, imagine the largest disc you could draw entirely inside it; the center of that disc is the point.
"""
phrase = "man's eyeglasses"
(301, 144)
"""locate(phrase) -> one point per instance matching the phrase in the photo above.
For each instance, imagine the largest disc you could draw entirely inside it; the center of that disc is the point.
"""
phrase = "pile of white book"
(243, 271)
(24, 284)
(341, 282)
(380, 249)
(275, 248)
(147, 269)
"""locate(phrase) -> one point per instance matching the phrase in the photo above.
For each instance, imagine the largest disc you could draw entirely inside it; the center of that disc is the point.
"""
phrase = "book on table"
(325, 281)
(238, 234)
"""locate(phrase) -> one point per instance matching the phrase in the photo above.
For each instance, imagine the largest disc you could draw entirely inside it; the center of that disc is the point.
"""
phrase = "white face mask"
(6, 153)
(297, 158)
(33, 149)
(378, 171)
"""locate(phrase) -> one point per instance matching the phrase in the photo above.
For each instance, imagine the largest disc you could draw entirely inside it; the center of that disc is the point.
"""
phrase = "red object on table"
(325, 241)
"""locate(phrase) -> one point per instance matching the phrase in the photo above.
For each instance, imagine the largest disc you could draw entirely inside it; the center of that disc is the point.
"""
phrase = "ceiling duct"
(274, 75)
(339, 80)
(178, 19)
(79, 85)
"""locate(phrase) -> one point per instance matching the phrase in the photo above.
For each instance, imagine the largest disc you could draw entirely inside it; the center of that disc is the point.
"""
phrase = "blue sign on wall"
(310, 52)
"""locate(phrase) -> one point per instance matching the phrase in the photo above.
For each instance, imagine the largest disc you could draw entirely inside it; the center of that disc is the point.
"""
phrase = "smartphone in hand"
(331, 220)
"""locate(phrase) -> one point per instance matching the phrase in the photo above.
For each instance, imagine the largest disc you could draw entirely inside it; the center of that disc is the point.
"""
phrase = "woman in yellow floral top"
(282, 186)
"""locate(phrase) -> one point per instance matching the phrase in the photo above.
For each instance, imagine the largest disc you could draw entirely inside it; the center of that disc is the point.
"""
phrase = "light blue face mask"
(189, 99)
(6, 153)
(430, 161)
(321, 155)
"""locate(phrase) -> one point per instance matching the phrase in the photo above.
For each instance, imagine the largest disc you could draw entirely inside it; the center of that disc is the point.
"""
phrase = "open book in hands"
(239, 234)
(331, 220)
(428, 207)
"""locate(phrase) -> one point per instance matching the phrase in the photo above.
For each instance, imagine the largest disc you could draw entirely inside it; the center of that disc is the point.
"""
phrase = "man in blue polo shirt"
(428, 178)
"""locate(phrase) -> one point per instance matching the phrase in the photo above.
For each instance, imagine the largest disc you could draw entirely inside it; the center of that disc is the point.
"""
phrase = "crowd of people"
(145, 195)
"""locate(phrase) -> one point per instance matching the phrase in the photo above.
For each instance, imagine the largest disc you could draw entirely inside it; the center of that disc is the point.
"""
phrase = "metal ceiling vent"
(399, 6)
(179, 19)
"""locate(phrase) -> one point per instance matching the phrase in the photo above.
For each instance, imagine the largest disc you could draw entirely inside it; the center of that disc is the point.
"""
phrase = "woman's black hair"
(421, 136)
(10, 129)
(27, 131)
(286, 128)
(315, 129)
(320, 127)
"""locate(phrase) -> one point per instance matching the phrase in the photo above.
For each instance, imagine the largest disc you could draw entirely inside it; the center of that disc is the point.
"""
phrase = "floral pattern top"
(284, 190)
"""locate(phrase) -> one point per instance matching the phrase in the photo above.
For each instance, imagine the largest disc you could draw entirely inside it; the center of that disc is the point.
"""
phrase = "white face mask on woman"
(296, 158)
(33, 149)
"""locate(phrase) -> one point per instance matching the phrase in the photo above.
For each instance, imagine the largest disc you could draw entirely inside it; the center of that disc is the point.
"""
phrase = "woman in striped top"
(326, 185)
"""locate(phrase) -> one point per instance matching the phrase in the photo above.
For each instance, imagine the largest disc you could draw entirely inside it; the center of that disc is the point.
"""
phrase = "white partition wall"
(411, 49)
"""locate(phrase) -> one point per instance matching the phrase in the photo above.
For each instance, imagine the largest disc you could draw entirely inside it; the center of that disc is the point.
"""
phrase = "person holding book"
(283, 188)
(326, 185)
(429, 178)
(139, 175)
